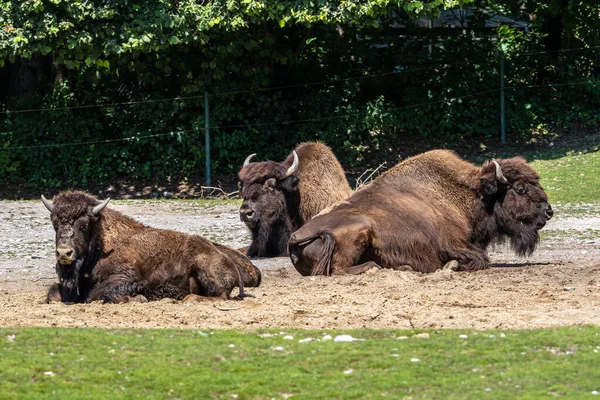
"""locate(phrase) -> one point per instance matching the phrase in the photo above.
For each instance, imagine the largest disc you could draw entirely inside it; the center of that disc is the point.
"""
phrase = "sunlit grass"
(448, 364)
(573, 177)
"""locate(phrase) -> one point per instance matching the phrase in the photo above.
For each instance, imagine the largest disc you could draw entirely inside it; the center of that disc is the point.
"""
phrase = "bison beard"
(424, 213)
(104, 255)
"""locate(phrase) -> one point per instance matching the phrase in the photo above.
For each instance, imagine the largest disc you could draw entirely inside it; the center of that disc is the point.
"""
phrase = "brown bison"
(430, 210)
(102, 254)
(281, 197)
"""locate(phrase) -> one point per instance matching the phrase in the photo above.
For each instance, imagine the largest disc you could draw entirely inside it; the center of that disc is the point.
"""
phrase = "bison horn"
(499, 174)
(48, 205)
(100, 206)
(294, 166)
(247, 160)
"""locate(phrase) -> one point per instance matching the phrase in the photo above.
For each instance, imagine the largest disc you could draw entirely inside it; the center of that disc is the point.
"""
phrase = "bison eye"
(521, 190)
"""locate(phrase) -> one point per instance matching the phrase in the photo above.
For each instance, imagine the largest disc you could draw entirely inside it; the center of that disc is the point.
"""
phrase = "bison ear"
(270, 184)
(290, 183)
(488, 186)
(491, 178)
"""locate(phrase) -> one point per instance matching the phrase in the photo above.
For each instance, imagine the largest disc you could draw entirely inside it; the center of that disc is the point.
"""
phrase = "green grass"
(570, 234)
(95, 363)
(570, 174)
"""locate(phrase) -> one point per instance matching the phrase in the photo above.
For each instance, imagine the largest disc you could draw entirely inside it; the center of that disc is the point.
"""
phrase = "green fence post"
(207, 138)
(502, 120)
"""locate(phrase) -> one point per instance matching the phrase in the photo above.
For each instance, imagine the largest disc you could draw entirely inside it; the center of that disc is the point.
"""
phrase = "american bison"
(280, 197)
(431, 210)
(102, 254)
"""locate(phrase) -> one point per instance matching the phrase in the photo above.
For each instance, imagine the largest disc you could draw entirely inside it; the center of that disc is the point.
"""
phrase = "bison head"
(515, 200)
(267, 189)
(73, 216)
(329, 243)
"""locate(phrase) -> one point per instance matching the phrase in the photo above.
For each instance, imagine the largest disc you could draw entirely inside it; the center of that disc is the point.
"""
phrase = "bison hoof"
(362, 268)
(53, 300)
(138, 299)
(192, 298)
(242, 296)
(451, 265)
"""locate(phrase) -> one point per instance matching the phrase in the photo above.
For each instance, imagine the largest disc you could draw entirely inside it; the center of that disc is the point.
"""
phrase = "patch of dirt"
(558, 285)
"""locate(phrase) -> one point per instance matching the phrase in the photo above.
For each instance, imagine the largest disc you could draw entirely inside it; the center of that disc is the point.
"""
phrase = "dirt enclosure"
(558, 285)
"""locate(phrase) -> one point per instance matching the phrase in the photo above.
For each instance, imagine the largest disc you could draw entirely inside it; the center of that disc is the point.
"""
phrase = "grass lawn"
(448, 364)
(570, 174)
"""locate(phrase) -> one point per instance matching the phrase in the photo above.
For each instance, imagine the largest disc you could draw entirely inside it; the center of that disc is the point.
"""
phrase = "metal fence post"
(207, 137)
(502, 117)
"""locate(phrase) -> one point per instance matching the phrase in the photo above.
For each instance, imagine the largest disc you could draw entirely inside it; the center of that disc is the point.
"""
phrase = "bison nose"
(64, 253)
(549, 212)
(294, 258)
(248, 214)
(248, 217)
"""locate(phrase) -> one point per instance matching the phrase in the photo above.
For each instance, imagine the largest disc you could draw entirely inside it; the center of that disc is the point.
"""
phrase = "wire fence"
(295, 121)
(443, 65)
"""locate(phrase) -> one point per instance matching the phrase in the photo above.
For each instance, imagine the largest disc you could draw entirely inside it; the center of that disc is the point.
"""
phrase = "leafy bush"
(128, 79)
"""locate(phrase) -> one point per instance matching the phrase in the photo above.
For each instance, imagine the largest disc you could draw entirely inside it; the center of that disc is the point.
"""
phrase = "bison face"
(264, 203)
(520, 205)
(73, 226)
(266, 188)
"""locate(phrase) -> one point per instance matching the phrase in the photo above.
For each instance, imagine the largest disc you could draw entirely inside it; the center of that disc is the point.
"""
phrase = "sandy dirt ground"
(558, 285)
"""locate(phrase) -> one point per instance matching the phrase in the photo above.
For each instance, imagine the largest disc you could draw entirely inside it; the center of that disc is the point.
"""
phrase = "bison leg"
(116, 289)
(217, 273)
(403, 267)
(215, 276)
(60, 293)
(361, 268)
(470, 259)
(54, 294)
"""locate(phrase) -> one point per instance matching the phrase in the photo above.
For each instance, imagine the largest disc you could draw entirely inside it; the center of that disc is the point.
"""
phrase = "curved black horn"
(294, 166)
(247, 160)
(499, 174)
(100, 206)
(47, 203)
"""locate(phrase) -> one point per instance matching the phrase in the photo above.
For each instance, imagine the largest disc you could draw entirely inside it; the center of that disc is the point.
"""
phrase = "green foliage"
(346, 73)
(82, 363)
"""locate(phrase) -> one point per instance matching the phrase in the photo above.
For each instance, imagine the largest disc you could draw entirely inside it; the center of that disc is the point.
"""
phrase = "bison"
(430, 211)
(102, 254)
(281, 197)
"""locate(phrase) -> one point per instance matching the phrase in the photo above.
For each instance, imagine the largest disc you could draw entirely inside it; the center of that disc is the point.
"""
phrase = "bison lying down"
(427, 211)
(102, 254)
(280, 197)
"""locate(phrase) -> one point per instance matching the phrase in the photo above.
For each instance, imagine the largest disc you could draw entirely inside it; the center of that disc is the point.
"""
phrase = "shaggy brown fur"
(111, 257)
(275, 205)
(423, 213)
